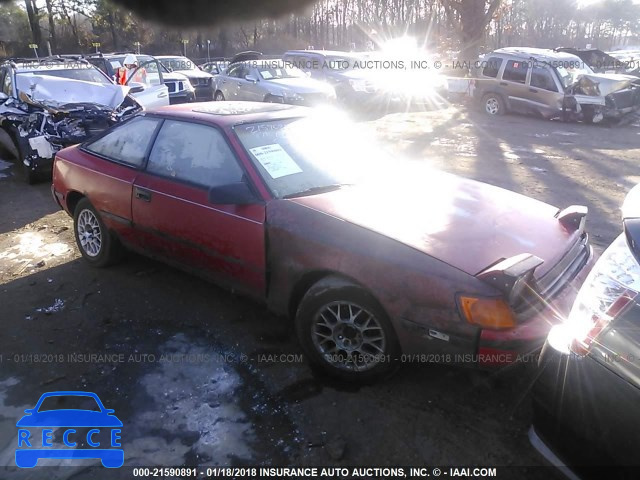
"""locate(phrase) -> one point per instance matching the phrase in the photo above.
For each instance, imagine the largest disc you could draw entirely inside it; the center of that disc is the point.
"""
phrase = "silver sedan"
(271, 81)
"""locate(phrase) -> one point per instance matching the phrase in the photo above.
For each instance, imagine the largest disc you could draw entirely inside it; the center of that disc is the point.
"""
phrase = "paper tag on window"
(275, 160)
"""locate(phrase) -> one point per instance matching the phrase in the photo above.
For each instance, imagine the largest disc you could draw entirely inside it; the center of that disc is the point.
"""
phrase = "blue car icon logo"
(36, 430)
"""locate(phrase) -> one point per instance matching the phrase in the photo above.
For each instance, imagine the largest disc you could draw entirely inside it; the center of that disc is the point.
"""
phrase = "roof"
(326, 53)
(539, 54)
(171, 56)
(52, 64)
(231, 113)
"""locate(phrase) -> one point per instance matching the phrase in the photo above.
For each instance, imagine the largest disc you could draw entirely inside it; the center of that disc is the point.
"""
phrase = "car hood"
(606, 83)
(56, 92)
(174, 77)
(69, 418)
(194, 73)
(301, 85)
(467, 224)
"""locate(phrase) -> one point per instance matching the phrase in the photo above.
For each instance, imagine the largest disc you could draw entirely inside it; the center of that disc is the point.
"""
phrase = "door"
(544, 90)
(121, 155)
(148, 77)
(170, 204)
(251, 90)
(514, 83)
(230, 81)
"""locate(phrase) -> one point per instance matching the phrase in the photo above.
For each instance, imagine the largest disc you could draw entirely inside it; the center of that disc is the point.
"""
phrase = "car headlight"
(358, 85)
(612, 284)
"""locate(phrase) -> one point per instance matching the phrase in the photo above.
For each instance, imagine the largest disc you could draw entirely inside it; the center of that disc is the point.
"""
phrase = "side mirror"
(251, 78)
(136, 87)
(232, 194)
(3, 96)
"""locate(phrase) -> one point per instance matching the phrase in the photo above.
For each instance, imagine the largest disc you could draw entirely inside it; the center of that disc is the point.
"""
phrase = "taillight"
(610, 287)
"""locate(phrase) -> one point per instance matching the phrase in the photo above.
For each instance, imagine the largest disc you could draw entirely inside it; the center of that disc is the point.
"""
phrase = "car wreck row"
(553, 85)
(46, 108)
(372, 258)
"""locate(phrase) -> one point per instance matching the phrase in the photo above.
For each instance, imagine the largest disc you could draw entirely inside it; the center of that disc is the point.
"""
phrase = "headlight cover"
(613, 282)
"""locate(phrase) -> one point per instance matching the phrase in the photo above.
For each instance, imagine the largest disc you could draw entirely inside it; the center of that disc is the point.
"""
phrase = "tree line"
(459, 27)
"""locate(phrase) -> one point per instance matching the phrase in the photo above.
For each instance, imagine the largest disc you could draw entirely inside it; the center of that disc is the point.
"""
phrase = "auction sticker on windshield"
(275, 160)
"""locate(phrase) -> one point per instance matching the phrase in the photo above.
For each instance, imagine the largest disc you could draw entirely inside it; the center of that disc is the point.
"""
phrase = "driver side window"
(194, 153)
(237, 71)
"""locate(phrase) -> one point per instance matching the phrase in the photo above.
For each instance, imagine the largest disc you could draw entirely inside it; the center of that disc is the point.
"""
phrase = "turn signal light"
(487, 312)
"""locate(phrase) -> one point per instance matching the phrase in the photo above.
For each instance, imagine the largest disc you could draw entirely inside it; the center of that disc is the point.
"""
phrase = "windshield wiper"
(317, 190)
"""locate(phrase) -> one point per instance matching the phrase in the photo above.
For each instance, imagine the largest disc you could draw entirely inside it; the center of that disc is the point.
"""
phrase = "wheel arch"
(332, 278)
(72, 200)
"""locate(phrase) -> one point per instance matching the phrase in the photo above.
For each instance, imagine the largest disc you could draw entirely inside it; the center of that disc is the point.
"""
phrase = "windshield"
(84, 74)
(273, 71)
(570, 71)
(303, 155)
(178, 63)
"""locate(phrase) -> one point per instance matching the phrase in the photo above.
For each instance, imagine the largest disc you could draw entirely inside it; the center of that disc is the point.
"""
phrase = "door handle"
(142, 194)
(162, 94)
(504, 84)
(533, 90)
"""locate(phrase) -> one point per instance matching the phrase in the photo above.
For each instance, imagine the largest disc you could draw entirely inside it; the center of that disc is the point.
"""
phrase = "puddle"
(58, 305)
(203, 404)
(195, 403)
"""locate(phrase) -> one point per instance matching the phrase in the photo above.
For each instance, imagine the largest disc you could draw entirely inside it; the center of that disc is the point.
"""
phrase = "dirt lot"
(196, 374)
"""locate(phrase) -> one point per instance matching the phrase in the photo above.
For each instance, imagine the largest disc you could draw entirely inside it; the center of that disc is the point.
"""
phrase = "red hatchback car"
(378, 260)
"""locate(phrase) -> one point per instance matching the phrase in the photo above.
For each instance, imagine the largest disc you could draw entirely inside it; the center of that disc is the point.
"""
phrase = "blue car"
(31, 448)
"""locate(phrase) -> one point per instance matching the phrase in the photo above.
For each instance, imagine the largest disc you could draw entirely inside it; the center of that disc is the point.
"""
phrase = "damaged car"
(378, 260)
(553, 85)
(49, 104)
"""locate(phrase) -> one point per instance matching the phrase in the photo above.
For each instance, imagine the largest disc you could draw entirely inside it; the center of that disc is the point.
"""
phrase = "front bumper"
(186, 96)
(204, 92)
(522, 343)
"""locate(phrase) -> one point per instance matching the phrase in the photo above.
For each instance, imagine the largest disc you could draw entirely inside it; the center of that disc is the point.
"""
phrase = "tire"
(492, 104)
(344, 331)
(97, 245)
(29, 175)
(219, 96)
(590, 116)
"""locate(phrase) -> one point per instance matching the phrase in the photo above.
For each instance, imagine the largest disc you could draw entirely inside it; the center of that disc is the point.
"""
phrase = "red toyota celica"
(379, 260)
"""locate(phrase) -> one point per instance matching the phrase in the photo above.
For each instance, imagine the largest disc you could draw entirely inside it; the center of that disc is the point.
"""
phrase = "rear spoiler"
(511, 275)
(631, 220)
(573, 218)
